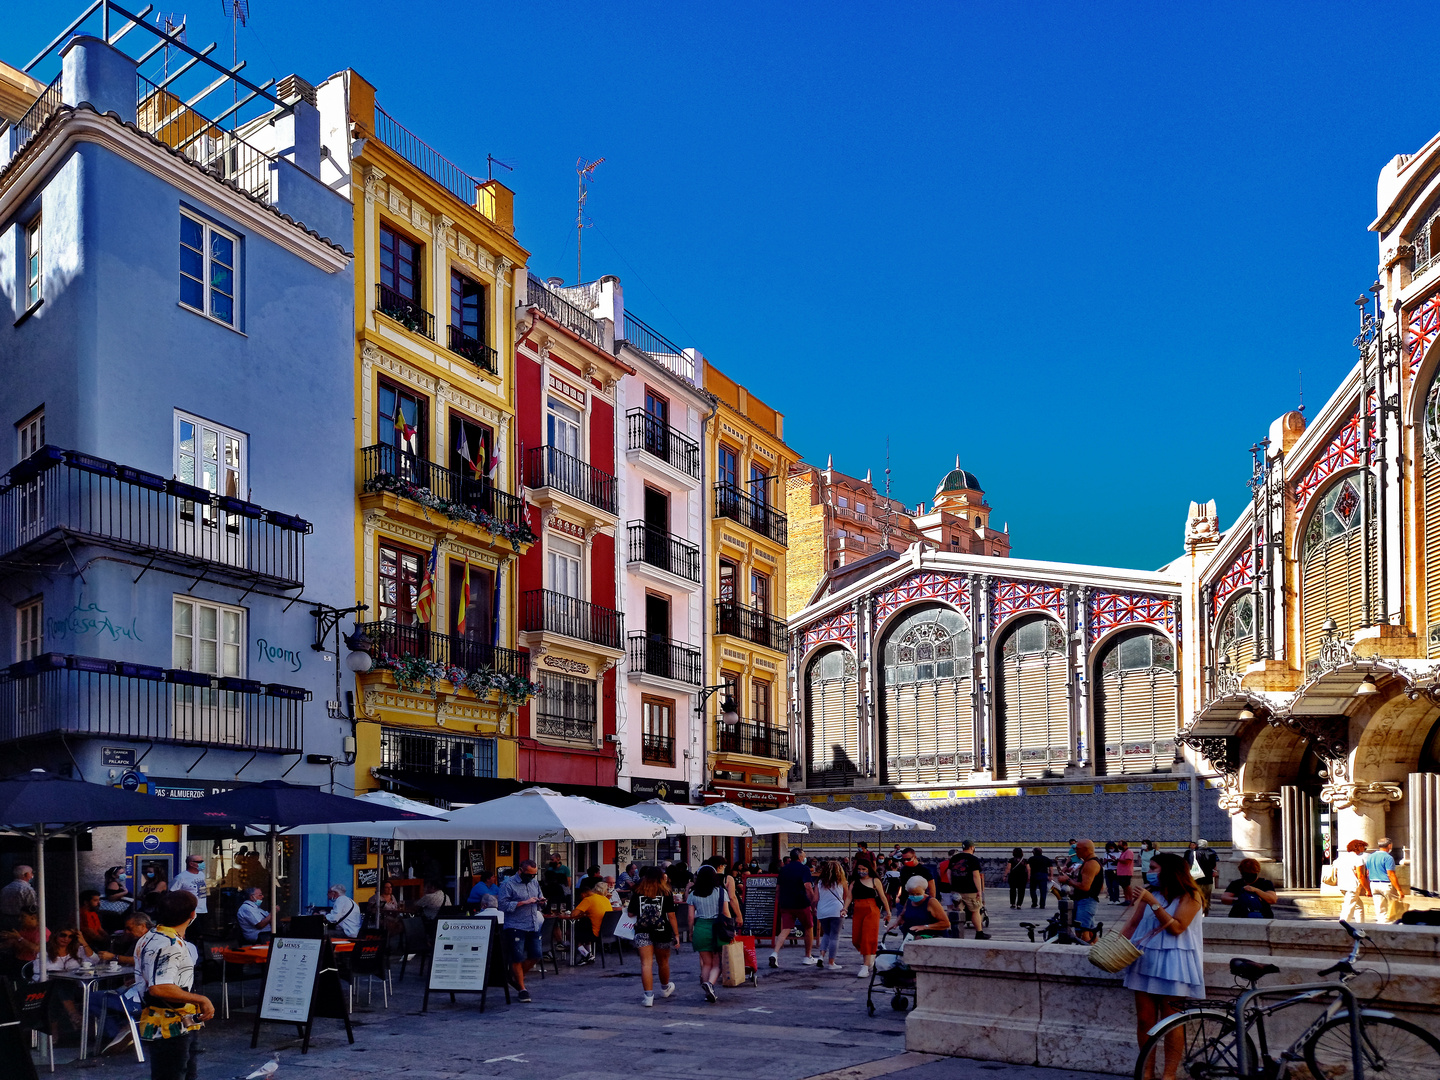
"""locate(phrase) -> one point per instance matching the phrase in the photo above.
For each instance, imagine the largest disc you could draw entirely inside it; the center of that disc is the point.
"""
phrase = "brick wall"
(806, 558)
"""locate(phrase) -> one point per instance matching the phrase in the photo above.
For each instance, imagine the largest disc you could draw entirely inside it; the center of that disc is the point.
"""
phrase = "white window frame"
(30, 628)
(34, 262)
(242, 456)
(30, 434)
(842, 502)
(552, 553)
(221, 610)
(207, 232)
(553, 412)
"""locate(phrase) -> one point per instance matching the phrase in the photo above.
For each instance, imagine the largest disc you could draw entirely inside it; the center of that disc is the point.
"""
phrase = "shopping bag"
(625, 928)
(1330, 875)
(748, 944)
(732, 964)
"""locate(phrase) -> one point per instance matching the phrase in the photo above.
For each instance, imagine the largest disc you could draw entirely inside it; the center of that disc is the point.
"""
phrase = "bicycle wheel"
(1201, 1046)
(1390, 1047)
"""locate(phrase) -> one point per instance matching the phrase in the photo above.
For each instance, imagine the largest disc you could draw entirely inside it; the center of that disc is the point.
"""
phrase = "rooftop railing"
(46, 105)
(432, 163)
(662, 350)
(562, 311)
(221, 153)
(655, 436)
(57, 495)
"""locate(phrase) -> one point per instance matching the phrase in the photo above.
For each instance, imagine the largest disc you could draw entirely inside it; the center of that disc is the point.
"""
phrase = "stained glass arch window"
(1237, 631)
(1430, 426)
(928, 644)
(1338, 513)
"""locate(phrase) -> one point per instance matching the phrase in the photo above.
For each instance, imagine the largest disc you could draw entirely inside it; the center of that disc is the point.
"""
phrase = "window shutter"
(1430, 493)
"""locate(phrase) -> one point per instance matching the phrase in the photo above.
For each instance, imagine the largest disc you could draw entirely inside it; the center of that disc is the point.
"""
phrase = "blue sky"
(1086, 247)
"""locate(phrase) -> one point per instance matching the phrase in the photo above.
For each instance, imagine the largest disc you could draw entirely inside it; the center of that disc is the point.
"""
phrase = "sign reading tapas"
(565, 664)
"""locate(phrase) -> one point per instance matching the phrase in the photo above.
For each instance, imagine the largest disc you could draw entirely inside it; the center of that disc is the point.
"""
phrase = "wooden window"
(467, 307)
(1136, 707)
(731, 681)
(566, 567)
(208, 637)
(657, 730)
(760, 591)
(413, 408)
(760, 701)
(401, 571)
(475, 622)
(759, 485)
(729, 470)
(400, 263)
(656, 406)
(727, 581)
(33, 268)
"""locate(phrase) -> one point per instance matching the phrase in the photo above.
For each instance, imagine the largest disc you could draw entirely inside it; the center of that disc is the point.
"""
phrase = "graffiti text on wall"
(276, 655)
(91, 618)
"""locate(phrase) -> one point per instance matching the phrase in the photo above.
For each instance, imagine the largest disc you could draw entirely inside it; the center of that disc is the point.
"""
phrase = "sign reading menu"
(461, 961)
(290, 979)
(758, 910)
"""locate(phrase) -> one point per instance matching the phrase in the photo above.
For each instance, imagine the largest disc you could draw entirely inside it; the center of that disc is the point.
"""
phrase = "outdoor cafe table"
(260, 955)
(86, 980)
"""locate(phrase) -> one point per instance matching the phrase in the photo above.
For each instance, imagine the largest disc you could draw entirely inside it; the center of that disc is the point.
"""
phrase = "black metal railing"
(752, 624)
(58, 495)
(556, 613)
(655, 436)
(84, 695)
(46, 106)
(408, 313)
(394, 639)
(663, 658)
(474, 350)
(659, 749)
(428, 160)
(755, 514)
(565, 727)
(756, 740)
(562, 311)
(545, 466)
(658, 548)
(222, 153)
(663, 351)
(410, 751)
(410, 476)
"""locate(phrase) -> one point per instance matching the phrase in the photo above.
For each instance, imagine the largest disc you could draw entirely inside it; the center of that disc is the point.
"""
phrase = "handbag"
(1114, 952)
(1331, 876)
(724, 929)
(625, 928)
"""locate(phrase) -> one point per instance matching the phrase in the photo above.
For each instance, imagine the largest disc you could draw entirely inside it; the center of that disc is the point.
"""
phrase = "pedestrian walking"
(1125, 870)
(1353, 879)
(830, 905)
(1017, 873)
(1040, 864)
(868, 905)
(1167, 926)
(1110, 860)
(655, 930)
(172, 1015)
(1200, 861)
(969, 877)
(712, 903)
(795, 896)
(192, 880)
(1384, 884)
(522, 902)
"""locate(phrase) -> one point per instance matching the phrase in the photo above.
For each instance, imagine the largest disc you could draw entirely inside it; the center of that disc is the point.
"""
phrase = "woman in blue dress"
(1165, 924)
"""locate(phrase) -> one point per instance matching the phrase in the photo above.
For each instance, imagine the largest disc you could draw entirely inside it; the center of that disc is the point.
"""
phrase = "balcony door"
(657, 528)
(399, 264)
(657, 635)
(208, 639)
(211, 457)
(467, 307)
(759, 486)
(30, 437)
(563, 437)
(472, 623)
(657, 425)
(469, 460)
(401, 427)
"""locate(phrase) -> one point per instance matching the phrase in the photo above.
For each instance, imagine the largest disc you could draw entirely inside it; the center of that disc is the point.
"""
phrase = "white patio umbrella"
(537, 815)
(850, 813)
(758, 822)
(901, 821)
(816, 818)
(689, 820)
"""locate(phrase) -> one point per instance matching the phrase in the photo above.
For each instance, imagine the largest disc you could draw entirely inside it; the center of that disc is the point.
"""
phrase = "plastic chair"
(368, 958)
(548, 947)
(608, 938)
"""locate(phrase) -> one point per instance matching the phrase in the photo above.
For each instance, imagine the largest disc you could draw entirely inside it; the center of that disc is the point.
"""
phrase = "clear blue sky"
(1085, 246)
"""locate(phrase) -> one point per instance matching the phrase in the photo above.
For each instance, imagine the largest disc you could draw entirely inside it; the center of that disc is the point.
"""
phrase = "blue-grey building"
(177, 488)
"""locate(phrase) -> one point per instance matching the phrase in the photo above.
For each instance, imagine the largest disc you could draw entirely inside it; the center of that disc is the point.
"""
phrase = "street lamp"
(729, 711)
(359, 660)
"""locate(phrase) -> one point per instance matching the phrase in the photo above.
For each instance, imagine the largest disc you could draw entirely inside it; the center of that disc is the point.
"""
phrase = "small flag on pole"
(464, 448)
(479, 462)
(404, 430)
(460, 619)
(425, 598)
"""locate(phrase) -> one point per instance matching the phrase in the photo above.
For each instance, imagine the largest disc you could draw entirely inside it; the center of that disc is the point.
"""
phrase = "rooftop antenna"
(1300, 374)
(889, 509)
(490, 162)
(238, 12)
(583, 172)
(172, 29)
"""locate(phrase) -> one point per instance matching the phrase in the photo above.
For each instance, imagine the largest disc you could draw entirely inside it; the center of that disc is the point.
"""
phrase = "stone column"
(1360, 809)
(1252, 825)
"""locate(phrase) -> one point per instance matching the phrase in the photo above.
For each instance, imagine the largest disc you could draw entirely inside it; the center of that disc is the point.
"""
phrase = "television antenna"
(583, 172)
(238, 12)
(172, 29)
(490, 162)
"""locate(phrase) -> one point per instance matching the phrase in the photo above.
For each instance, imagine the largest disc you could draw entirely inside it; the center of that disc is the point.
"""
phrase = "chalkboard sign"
(759, 911)
(477, 861)
(359, 850)
(367, 877)
(392, 866)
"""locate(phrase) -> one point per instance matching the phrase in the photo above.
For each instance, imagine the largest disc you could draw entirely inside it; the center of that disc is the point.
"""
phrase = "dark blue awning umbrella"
(40, 804)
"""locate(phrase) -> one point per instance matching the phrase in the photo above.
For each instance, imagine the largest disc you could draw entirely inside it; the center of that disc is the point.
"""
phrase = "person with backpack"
(655, 930)
(1200, 861)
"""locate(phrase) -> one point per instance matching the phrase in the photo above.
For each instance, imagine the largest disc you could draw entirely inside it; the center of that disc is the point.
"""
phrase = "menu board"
(758, 909)
(290, 979)
(462, 954)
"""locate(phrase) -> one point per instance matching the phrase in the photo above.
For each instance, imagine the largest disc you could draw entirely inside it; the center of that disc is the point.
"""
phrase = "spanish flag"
(464, 601)
(404, 430)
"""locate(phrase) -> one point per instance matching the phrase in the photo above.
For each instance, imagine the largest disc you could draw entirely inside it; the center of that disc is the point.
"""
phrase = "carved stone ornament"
(543, 346)
(1203, 525)
(1250, 803)
(1344, 796)
(373, 179)
(370, 705)
(503, 266)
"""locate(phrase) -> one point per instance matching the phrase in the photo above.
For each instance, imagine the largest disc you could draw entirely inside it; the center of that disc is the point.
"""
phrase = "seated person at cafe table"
(90, 927)
(344, 914)
(485, 885)
(589, 913)
(434, 899)
(253, 921)
(122, 944)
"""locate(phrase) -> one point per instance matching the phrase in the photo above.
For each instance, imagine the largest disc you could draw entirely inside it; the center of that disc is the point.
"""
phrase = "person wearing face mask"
(522, 902)
(868, 901)
(1167, 925)
(192, 880)
(1250, 893)
(920, 914)
(910, 866)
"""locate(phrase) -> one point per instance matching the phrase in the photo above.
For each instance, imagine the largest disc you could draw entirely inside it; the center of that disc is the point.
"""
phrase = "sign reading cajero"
(565, 664)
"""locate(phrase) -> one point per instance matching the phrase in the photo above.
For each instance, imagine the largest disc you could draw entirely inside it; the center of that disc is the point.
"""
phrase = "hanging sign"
(461, 960)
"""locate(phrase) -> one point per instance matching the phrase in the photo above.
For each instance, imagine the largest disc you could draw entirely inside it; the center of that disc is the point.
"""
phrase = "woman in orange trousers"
(869, 904)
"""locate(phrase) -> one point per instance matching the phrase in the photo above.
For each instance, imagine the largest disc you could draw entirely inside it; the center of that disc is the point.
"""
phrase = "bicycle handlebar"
(1356, 936)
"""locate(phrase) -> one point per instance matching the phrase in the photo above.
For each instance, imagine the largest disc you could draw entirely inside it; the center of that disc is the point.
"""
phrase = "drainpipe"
(705, 634)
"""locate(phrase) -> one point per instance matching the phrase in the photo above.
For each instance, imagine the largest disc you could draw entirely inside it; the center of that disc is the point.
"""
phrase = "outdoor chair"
(369, 958)
(608, 938)
(415, 940)
(35, 1014)
(548, 949)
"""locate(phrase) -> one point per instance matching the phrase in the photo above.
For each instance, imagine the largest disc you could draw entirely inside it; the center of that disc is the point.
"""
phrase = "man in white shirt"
(252, 918)
(165, 975)
(344, 913)
(192, 880)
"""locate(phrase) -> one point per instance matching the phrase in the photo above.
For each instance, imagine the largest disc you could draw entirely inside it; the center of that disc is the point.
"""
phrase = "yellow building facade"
(438, 529)
(747, 458)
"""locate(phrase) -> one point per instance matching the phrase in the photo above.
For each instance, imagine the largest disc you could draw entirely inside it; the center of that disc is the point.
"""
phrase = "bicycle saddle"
(1249, 970)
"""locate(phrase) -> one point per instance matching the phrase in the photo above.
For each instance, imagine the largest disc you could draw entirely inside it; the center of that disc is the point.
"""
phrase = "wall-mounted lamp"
(1367, 686)
(1246, 713)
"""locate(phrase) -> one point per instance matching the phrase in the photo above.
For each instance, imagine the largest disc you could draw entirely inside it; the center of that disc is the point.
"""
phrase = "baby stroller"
(891, 973)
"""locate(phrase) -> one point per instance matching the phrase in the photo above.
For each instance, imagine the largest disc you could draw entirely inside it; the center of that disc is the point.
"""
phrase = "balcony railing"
(408, 313)
(751, 624)
(562, 311)
(412, 477)
(753, 513)
(664, 659)
(663, 351)
(756, 740)
(56, 694)
(656, 437)
(393, 639)
(55, 496)
(565, 727)
(419, 153)
(556, 613)
(221, 153)
(545, 466)
(473, 349)
(46, 106)
(658, 548)
(657, 749)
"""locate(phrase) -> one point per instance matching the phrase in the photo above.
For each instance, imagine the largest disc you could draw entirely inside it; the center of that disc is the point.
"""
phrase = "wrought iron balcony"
(563, 312)
(394, 639)
(412, 477)
(57, 496)
(752, 624)
(45, 106)
(658, 548)
(56, 694)
(565, 727)
(408, 313)
(221, 153)
(755, 514)
(473, 349)
(545, 466)
(664, 658)
(756, 740)
(656, 437)
(657, 749)
(469, 190)
(555, 613)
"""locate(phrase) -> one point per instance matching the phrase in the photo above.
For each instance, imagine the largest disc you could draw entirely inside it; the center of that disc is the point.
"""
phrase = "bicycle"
(1201, 1043)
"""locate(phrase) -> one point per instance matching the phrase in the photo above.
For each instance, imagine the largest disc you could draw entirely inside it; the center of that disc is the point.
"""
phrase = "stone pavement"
(588, 1024)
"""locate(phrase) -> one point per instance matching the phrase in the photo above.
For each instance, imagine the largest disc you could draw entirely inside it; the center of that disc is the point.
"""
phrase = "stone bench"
(1047, 1005)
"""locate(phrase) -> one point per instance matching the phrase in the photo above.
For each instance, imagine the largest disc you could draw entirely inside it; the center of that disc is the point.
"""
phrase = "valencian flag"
(425, 598)
(464, 600)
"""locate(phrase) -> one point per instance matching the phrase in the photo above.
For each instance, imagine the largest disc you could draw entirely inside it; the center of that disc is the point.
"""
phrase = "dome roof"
(958, 479)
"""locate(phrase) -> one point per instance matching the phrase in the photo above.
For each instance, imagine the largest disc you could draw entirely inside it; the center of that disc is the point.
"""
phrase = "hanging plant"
(516, 532)
(419, 673)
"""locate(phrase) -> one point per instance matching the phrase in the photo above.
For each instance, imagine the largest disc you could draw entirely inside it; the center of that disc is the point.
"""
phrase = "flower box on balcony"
(91, 464)
(291, 693)
(289, 521)
(36, 664)
(232, 505)
(141, 671)
(92, 663)
(188, 491)
(142, 478)
(188, 678)
(240, 686)
(47, 457)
